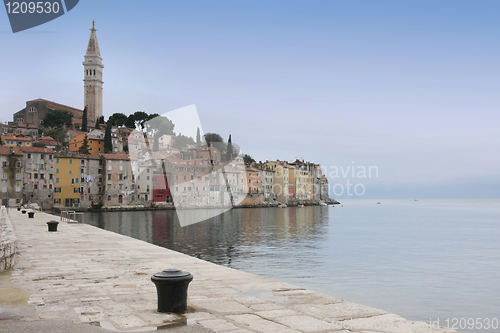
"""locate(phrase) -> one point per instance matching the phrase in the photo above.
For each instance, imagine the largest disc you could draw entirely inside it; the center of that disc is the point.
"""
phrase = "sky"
(407, 88)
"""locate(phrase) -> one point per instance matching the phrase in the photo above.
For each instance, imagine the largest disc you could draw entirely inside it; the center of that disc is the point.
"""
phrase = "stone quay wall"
(8, 241)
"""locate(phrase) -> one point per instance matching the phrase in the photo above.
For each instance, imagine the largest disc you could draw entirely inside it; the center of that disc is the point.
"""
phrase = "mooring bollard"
(171, 287)
(31, 215)
(23, 211)
(52, 225)
(18, 208)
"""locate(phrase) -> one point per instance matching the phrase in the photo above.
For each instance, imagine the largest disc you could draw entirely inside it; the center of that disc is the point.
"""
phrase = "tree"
(108, 144)
(84, 120)
(57, 119)
(156, 145)
(229, 150)
(212, 137)
(248, 159)
(97, 125)
(181, 141)
(198, 138)
(100, 120)
(1, 141)
(158, 125)
(130, 123)
(84, 148)
(117, 119)
(39, 144)
(140, 117)
(54, 133)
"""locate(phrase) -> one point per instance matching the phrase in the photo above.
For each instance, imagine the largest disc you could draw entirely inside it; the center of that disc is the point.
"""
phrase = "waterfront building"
(91, 182)
(119, 179)
(324, 188)
(35, 111)
(95, 143)
(11, 160)
(48, 142)
(267, 182)
(67, 181)
(92, 69)
(13, 128)
(161, 190)
(302, 180)
(38, 176)
(18, 140)
(283, 190)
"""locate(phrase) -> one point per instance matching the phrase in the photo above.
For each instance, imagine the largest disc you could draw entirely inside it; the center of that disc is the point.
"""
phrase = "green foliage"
(117, 119)
(57, 119)
(156, 145)
(140, 117)
(77, 127)
(39, 144)
(158, 126)
(100, 120)
(84, 120)
(130, 123)
(97, 125)
(108, 144)
(212, 137)
(57, 134)
(248, 159)
(181, 141)
(84, 149)
(229, 149)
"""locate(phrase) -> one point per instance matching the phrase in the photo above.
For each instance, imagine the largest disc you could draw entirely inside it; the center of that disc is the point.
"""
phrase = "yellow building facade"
(66, 181)
(281, 188)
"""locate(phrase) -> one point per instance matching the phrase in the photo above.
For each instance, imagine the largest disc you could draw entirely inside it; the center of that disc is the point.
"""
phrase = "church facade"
(35, 110)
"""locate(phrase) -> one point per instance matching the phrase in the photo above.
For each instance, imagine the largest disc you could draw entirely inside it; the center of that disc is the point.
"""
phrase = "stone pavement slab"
(83, 274)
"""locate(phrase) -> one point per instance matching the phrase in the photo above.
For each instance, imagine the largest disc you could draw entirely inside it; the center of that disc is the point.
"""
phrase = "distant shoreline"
(172, 207)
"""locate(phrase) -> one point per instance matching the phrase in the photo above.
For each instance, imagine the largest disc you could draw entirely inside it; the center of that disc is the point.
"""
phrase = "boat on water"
(378, 203)
(301, 206)
(282, 206)
(323, 204)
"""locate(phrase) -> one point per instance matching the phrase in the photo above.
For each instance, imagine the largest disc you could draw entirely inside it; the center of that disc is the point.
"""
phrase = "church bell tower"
(92, 78)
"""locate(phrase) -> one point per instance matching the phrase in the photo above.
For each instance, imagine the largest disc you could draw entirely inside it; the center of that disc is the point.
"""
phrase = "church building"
(35, 110)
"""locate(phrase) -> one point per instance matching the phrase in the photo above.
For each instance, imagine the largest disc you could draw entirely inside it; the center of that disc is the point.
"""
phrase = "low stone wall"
(8, 242)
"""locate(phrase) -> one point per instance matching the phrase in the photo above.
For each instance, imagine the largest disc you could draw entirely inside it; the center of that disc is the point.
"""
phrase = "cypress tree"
(84, 149)
(108, 144)
(84, 120)
(229, 151)
(198, 137)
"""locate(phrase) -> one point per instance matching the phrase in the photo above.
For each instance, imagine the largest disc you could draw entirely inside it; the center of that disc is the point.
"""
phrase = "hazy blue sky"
(409, 87)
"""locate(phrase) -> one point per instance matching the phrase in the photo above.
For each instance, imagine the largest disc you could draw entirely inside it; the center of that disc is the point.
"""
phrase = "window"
(70, 161)
(57, 179)
(109, 176)
(35, 176)
(76, 190)
(120, 176)
(18, 176)
(18, 164)
(35, 186)
(50, 186)
(154, 179)
(70, 172)
(50, 157)
(57, 170)
(57, 201)
(57, 160)
(42, 176)
(5, 164)
(72, 180)
(51, 176)
(4, 176)
(109, 198)
(29, 156)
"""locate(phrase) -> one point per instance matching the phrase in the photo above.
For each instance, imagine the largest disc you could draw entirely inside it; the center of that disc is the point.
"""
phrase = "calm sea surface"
(423, 260)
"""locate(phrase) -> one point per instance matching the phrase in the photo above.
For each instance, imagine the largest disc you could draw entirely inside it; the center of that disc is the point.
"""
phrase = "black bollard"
(18, 208)
(171, 287)
(52, 225)
(23, 211)
(31, 215)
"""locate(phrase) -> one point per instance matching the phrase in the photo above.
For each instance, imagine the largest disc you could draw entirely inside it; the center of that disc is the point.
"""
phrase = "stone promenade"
(88, 275)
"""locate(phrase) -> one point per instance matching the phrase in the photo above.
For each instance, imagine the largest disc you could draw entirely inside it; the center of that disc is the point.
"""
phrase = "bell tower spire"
(92, 78)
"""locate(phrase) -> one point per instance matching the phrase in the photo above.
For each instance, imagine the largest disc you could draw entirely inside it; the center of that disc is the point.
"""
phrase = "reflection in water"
(238, 238)
(421, 260)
